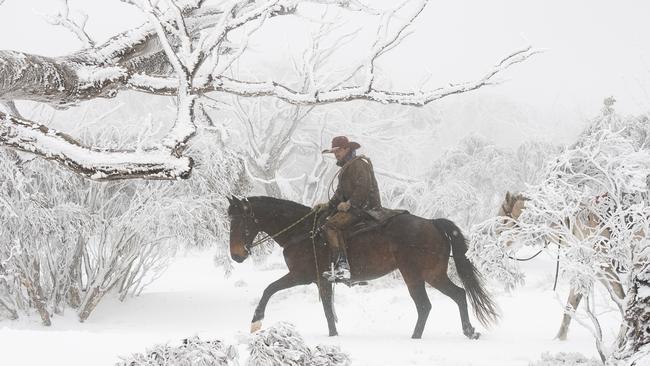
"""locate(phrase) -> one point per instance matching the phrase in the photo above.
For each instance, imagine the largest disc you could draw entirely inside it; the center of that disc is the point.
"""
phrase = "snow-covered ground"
(375, 322)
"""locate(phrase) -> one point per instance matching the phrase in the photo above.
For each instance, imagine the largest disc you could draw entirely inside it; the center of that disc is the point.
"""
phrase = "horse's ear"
(229, 200)
(508, 196)
(234, 201)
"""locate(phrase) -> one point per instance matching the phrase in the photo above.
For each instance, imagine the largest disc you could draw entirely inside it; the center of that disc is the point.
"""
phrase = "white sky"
(594, 48)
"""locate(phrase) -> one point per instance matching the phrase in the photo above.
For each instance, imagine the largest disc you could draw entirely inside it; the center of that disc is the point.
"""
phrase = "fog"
(592, 50)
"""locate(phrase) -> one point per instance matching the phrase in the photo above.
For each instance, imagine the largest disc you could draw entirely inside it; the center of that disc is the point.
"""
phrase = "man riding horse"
(356, 193)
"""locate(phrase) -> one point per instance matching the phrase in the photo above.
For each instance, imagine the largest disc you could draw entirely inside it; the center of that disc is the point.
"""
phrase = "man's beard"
(346, 158)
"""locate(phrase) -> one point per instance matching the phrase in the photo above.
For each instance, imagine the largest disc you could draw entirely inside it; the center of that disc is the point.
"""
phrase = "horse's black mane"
(282, 212)
(277, 206)
(272, 201)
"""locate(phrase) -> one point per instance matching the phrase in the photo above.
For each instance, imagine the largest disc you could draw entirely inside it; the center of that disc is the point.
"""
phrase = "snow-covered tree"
(593, 204)
(67, 241)
(634, 341)
(186, 50)
(274, 129)
(464, 183)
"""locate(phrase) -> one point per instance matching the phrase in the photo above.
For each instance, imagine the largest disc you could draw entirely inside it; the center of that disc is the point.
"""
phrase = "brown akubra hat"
(340, 142)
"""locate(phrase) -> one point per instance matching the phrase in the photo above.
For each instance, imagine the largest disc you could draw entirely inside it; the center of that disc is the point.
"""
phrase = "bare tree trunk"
(91, 300)
(634, 348)
(13, 314)
(35, 292)
(73, 296)
(272, 188)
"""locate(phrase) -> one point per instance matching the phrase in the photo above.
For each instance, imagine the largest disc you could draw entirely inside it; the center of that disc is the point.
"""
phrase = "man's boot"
(340, 270)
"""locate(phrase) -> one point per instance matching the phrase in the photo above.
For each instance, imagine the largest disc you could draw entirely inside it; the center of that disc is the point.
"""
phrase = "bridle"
(506, 212)
(247, 206)
(511, 203)
(246, 216)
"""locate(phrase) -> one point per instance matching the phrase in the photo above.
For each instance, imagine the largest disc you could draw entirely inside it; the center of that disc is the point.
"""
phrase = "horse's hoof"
(333, 334)
(476, 335)
(255, 326)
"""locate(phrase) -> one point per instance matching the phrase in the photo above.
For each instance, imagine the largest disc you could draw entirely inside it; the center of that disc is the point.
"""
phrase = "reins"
(269, 237)
(313, 241)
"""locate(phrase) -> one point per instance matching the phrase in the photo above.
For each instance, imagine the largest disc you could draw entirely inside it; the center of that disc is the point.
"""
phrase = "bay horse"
(418, 247)
(515, 204)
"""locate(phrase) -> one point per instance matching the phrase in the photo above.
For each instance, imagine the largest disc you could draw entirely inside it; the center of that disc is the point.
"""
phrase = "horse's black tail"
(484, 307)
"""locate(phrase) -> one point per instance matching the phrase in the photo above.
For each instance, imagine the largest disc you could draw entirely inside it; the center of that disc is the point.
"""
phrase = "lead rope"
(557, 268)
(313, 242)
(557, 262)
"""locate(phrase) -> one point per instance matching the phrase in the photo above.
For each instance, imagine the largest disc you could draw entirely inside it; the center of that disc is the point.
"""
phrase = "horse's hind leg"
(572, 304)
(614, 287)
(443, 284)
(617, 293)
(328, 306)
(422, 304)
(284, 282)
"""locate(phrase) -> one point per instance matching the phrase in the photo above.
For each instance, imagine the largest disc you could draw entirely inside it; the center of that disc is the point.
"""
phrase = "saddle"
(373, 219)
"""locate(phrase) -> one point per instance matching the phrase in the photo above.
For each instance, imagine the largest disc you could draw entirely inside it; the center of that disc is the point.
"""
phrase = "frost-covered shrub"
(193, 352)
(282, 345)
(67, 241)
(279, 345)
(565, 359)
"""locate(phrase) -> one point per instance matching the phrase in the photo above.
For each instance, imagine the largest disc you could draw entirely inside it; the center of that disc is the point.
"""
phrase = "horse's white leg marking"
(255, 326)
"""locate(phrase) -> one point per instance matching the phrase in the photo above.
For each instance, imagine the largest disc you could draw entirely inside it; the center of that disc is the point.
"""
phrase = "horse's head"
(511, 208)
(243, 228)
(513, 205)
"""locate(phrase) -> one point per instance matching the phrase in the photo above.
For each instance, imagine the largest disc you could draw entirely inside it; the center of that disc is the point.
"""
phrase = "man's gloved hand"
(343, 206)
(321, 207)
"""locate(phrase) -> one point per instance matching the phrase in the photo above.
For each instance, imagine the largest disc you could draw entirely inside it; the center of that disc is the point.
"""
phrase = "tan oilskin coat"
(357, 184)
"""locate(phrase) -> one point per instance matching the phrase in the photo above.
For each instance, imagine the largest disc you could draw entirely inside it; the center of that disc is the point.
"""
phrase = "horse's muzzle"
(238, 258)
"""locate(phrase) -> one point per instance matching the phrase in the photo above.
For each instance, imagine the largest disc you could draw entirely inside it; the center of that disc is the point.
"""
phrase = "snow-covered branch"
(341, 94)
(91, 162)
(64, 19)
(184, 50)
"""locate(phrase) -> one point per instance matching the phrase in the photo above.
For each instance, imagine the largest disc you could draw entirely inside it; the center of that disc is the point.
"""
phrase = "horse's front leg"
(572, 305)
(328, 306)
(284, 282)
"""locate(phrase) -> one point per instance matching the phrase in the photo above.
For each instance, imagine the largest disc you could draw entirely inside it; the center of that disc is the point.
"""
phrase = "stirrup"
(343, 274)
(340, 274)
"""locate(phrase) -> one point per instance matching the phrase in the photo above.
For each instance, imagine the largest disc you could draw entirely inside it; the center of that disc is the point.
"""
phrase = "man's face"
(341, 153)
